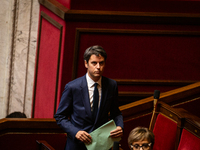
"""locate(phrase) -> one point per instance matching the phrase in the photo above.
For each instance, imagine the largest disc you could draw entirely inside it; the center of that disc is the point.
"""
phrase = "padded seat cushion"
(165, 133)
(189, 141)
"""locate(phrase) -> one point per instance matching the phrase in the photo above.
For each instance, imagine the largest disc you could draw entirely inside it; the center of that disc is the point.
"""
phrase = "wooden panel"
(130, 89)
(121, 16)
(133, 48)
(145, 106)
(32, 125)
(193, 127)
(174, 36)
(192, 105)
(191, 123)
(126, 96)
(47, 67)
(18, 133)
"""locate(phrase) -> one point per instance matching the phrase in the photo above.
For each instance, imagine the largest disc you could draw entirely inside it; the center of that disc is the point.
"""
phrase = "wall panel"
(146, 50)
(142, 54)
(47, 67)
(150, 54)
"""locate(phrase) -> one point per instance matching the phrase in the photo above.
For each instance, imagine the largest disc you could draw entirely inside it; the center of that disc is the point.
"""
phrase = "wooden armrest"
(43, 145)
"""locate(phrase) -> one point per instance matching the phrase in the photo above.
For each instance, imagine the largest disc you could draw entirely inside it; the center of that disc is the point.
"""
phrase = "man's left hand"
(118, 132)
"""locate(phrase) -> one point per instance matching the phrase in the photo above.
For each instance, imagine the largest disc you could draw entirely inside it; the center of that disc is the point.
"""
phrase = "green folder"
(101, 139)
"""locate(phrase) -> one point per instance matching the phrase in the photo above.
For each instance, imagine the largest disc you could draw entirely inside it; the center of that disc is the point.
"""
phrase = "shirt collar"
(90, 82)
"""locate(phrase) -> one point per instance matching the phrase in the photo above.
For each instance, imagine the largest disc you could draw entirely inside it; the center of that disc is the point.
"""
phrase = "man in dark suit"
(75, 114)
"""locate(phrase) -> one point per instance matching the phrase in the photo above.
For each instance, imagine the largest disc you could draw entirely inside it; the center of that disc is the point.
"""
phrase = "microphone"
(156, 97)
(116, 145)
(156, 94)
(155, 102)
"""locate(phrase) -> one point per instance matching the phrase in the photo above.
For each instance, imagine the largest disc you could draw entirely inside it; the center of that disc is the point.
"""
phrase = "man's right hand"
(84, 137)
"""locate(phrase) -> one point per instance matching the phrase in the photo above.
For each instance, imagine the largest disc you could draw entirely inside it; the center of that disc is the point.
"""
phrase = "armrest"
(43, 145)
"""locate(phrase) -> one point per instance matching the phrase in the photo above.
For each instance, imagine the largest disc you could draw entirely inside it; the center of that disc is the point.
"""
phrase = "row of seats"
(175, 129)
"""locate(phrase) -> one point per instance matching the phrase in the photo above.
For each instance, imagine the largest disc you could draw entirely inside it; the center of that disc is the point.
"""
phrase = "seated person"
(16, 114)
(141, 138)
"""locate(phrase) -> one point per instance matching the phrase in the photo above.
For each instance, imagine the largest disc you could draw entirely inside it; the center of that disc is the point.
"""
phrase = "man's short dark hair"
(94, 50)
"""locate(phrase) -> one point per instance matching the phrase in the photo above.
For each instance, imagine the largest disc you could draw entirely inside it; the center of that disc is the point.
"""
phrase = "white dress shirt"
(90, 84)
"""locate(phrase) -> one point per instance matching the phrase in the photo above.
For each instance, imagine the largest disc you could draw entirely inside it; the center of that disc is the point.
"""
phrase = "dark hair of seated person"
(16, 115)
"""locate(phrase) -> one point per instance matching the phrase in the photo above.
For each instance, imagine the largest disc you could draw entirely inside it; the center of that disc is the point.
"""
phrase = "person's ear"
(86, 64)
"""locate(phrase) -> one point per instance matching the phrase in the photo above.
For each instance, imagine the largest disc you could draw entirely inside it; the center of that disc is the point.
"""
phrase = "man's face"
(95, 67)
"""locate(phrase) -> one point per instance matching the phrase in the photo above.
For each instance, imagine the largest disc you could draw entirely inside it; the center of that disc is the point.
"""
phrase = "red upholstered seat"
(189, 141)
(165, 133)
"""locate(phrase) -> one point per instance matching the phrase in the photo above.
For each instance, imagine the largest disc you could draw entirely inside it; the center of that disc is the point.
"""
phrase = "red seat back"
(189, 141)
(165, 133)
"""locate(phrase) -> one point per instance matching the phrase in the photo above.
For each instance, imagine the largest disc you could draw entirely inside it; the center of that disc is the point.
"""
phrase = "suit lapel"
(85, 96)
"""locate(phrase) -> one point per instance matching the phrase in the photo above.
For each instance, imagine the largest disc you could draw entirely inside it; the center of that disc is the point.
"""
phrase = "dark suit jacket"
(74, 111)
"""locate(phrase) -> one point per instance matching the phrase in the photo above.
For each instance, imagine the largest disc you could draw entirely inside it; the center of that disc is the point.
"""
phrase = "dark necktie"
(95, 100)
